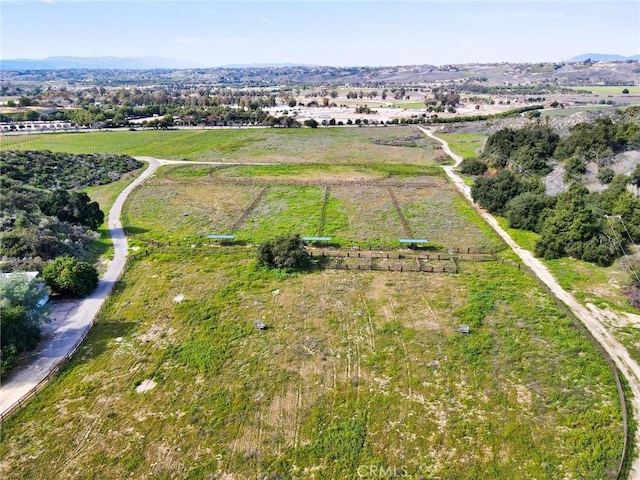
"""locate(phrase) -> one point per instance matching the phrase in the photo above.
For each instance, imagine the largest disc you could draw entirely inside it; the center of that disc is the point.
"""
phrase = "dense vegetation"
(575, 223)
(40, 217)
(51, 170)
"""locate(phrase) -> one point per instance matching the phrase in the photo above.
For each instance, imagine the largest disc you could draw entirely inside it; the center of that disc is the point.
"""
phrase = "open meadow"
(352, 206)
(330, 145)
(356, 371)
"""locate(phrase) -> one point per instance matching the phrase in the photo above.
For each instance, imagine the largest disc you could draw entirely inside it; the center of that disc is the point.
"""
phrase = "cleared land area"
(354, 207)
(354, 369)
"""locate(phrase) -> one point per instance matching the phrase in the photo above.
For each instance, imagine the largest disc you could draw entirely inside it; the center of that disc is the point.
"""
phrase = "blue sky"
(356, 32)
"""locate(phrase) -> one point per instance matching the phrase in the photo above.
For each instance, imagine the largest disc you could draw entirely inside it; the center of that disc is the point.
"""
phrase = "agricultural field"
(353, 206)
(355, 369)
(328, 145)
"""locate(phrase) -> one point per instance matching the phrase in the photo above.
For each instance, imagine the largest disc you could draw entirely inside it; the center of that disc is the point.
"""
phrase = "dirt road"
(593, 318)
(71, 320)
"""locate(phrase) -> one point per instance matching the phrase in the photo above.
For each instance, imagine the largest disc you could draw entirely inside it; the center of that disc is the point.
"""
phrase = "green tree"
(528, 210)
(69, 276)
(574, 168)
(74, 207)
(605, 175)
(21, 315)
(473, 166)
(493, 193)
(574, 229)
(287, 252)
(627, 207)
(311, 123)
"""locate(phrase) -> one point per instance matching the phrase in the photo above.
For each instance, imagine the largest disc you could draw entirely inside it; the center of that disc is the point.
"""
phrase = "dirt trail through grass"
(593, 318)
(71, 320)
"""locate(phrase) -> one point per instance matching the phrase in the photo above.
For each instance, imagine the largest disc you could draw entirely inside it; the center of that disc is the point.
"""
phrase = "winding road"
(71, 322)
(593, 318)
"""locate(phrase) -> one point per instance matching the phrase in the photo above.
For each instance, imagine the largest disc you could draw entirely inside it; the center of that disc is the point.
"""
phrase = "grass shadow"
(102, 334)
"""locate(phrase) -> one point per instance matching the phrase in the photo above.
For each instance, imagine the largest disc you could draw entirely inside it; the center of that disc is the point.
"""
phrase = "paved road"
(70, 320)
(593, 318)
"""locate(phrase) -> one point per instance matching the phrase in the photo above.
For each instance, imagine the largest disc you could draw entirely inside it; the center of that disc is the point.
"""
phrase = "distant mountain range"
(148, 63)
(61, 63)
(602, 57)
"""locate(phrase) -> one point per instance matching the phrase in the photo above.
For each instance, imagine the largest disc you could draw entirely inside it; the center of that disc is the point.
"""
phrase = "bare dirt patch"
(146, 386)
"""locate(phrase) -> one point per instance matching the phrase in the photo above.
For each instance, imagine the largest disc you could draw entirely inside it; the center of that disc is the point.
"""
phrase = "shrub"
(69, 276)
(473, 166)
(605, 175)
(287, 252)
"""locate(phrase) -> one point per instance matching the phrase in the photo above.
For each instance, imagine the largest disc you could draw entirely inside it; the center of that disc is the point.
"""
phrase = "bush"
(287, 252)
(69, 276)
(473, 166)
(605, 175)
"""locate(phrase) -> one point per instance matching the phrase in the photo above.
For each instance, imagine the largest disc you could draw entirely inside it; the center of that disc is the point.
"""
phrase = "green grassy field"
(464, 144)
(187, 203)
(356, 369)
(335, 145)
